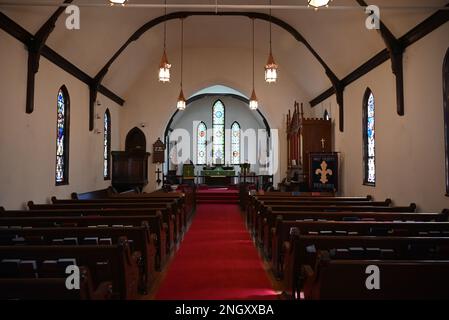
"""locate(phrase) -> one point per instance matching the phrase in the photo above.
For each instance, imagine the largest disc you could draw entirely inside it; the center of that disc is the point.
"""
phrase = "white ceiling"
(338, 36)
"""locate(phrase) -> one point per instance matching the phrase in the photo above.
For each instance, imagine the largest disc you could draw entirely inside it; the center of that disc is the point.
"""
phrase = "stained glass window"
(62, 138)
(446, 114)
(369, 139)
(107, 145)
(218, 123)
(201, 143)
(235, 143)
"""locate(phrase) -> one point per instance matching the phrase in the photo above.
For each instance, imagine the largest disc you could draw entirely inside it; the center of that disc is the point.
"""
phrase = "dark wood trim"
(22, 35)
(35, 45)
(396, 52)
(366, 96)
(446, 115)
(252, 15)
(420, 31)
(184, 14)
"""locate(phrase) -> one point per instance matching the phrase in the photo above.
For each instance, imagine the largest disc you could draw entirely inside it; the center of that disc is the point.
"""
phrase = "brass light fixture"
(164, 67)
(271, 73)
(181, 105)
(253, 103)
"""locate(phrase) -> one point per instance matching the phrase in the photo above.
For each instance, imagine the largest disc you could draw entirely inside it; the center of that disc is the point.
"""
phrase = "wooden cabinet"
(130, 167)
(305, 136)
(316, 136)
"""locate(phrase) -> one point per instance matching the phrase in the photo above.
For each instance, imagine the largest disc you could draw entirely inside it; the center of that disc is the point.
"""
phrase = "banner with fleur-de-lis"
(323, 172)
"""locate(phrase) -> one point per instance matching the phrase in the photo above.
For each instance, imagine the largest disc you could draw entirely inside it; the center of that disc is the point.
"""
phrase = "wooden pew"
(302, 251)
(53, 289)
(123, 265)
(176, 204)
(254, 201)
(266, 213)
(245, 196)
(265, 231)
(174, 234)
(154, 222)
(335, 279)
(281, 232)
(142, 241)
(259, 205)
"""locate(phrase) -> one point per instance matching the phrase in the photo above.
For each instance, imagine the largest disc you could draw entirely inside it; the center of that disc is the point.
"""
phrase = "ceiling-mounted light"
(318, 3)
(113, 2)
(181, 105)
(253, 103)
(271, 67)
(164, 67)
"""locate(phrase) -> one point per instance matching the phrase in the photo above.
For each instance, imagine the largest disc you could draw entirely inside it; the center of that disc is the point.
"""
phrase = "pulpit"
(130, 167)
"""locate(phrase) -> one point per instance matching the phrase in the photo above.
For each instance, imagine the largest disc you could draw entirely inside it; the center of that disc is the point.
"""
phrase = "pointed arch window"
(107, 145)
(446, 114)
(201, 143)
(62, 137)
(326, 115)
(218, 123)
(235, 143)
(369, 139)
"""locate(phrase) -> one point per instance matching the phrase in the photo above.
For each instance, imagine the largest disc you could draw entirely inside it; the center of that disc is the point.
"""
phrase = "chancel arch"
(217, 121)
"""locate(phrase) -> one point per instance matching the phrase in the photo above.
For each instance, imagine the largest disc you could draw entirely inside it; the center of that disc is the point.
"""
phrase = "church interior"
(224, 150)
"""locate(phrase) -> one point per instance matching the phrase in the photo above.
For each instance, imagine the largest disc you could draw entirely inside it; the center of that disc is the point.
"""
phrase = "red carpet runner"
(217, 260)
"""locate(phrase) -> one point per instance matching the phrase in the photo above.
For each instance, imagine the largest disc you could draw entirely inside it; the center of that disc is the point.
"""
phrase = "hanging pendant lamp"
(271, 72)
(164, 67)
(181, 105)
(253, 103)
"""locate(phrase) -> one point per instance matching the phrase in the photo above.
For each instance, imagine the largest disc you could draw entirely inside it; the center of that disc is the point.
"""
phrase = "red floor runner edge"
(217, 260)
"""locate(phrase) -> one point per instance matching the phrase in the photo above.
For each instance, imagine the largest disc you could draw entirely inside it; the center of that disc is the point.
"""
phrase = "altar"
(218, 175)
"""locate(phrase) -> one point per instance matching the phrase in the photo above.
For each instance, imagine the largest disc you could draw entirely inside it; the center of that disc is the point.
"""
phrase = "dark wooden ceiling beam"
(396, 51)
(337, 83)
(418, 32)
(35, 45)
(22, 35)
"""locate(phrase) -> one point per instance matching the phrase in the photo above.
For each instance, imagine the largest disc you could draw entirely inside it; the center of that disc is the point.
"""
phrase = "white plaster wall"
(28, 141)
(410, 149)
(153, 103)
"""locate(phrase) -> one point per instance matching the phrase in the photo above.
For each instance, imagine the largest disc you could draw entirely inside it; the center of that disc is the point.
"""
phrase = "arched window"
(235, 143)
(326, 115)
(446, 114)
(369, 139)
(62, 137)
(107, 145)
(201, 140)
(218, 123)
